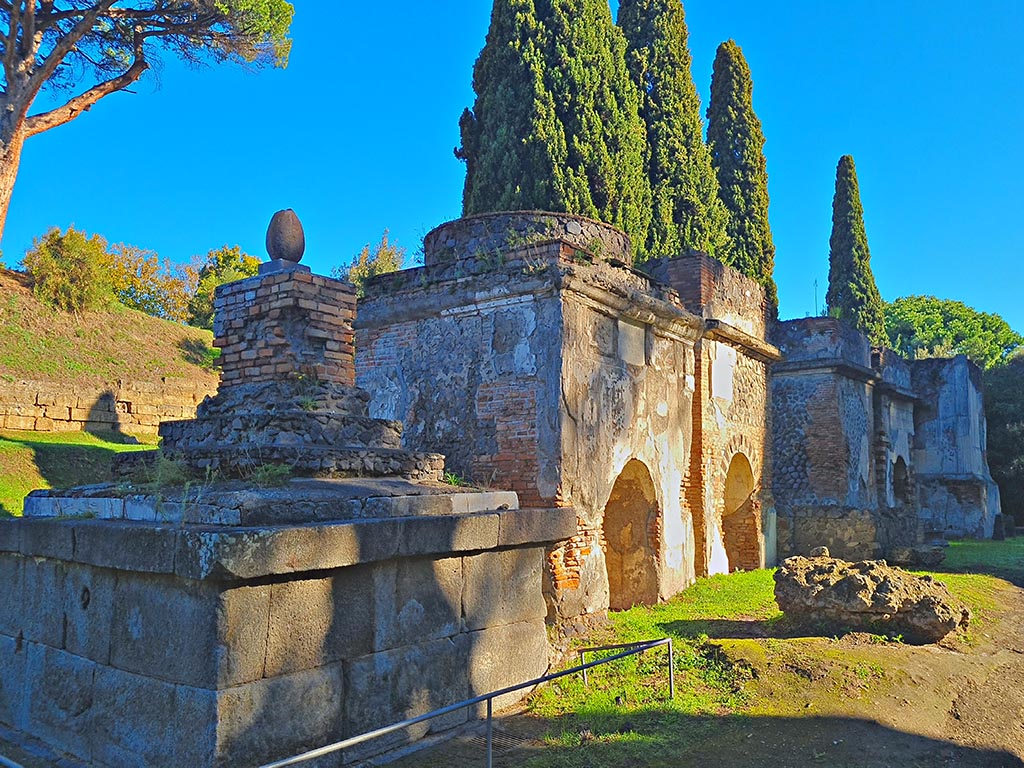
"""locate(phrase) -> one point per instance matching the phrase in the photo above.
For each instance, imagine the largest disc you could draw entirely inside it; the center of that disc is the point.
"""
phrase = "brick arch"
(742, 444)
(741, 515)
(631, 535)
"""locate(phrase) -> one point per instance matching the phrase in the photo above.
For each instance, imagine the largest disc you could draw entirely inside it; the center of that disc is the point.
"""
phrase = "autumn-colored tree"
(141, 281)
(221, 265)
(852, 293)
(69, 270)
(92, 48)
(379, 259)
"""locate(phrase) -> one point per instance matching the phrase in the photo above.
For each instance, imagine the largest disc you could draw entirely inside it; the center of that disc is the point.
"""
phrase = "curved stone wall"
(490, 233)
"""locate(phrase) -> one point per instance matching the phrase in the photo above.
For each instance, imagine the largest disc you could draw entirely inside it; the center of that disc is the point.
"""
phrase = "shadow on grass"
(198, 352)
(1002, 559)
(668, 739)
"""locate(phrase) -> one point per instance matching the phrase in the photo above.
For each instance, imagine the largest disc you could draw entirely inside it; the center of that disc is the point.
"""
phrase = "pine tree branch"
(65, 45)
(84, 101)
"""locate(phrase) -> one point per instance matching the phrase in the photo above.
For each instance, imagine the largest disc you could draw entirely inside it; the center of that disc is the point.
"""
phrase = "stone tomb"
(217, 624)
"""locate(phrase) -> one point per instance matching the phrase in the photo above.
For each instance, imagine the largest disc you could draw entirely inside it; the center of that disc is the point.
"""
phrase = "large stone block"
(13, 701)
(256, 552)
(12, 570)
(315, 622)
(278, 717)
(500, 657)
(10, 535)
(463, 533)
(59, 687)
(189, 633)
(42, 620)
(530, 526)
(416, 600)
(88, 611)
(47, 538)
(504, 587)
(135, 722)
(391, 686)
(127, 546)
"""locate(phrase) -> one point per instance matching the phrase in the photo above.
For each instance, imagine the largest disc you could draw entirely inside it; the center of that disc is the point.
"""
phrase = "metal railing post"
(671, 671)
(583, 663)
(490, 734)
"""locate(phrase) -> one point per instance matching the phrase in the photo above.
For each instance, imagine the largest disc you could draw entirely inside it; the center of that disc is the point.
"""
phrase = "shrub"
(69, 270)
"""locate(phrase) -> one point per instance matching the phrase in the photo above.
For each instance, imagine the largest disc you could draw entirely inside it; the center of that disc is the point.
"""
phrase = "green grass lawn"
(625, 707)
(30, 460)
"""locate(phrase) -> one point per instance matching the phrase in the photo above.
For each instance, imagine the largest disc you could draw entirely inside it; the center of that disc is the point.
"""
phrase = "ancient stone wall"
(958, 495)
(128, 644)
(132, 407)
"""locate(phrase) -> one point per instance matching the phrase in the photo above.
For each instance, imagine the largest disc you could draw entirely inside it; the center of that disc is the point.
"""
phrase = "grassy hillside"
(30, 460)
(97, 347)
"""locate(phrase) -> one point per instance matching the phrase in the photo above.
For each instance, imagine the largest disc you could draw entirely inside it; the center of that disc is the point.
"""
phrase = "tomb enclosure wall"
(545, 369)
(731, 417)
(957, 493)
(125, 644)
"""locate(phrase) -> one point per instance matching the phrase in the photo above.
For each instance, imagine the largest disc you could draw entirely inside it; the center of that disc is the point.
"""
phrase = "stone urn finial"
(285, 238)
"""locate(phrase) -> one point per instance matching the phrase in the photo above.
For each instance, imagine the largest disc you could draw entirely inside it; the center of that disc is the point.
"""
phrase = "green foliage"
(852, 293)
(924, 326)
(687, 210)
(736, 142)
(69, 270)
(379, 259)
(555, 124)
(222, 265)
(30, 460)
(1004, 409)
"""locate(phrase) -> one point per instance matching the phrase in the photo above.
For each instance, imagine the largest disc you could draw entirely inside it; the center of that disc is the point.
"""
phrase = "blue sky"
(357, 136)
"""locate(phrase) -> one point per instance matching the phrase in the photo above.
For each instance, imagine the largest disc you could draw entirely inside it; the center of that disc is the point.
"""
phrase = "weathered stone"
(316, 622)
(526, 526)
(285, 238)
(47, 538)
(10, 536)
(154, 734)
(43, 590)
(129, 546)
(12, 608)
(394, 685)
(281, 716)
(417, 600)
(504, 588)
(60, 691)
(188, 633)
(13, 701)
(429, 535)
(507, 655)
(868, 594)
(88, 611)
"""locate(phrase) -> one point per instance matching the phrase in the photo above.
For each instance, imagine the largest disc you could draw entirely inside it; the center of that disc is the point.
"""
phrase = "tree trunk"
(11, 143)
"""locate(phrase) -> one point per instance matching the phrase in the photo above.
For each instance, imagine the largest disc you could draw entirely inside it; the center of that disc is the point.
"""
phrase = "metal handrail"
(632, 650)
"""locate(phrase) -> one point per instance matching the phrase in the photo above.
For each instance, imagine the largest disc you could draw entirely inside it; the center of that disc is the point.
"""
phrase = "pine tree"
(852, 293)
(687, 210)
(736, 142)
(555, 125)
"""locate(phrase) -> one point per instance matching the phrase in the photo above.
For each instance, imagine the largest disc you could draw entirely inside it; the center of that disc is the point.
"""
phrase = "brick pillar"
(285, 324)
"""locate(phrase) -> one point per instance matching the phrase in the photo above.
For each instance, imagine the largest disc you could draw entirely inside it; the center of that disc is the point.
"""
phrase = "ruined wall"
(730, 412)
(825, 484)
(133, 407)
(957, 493)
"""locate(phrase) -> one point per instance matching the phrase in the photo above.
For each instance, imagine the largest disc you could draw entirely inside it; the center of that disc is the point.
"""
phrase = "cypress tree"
(513, 144)
(555, 125)
(736, 142)
(852, 293)
(687, 210)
